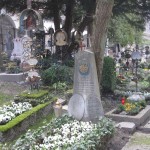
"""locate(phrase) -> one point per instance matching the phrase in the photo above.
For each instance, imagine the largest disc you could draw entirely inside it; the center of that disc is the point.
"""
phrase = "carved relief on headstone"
(86, 84)
(94, 107)
(76, 106)
(18, 49)
(26, 42)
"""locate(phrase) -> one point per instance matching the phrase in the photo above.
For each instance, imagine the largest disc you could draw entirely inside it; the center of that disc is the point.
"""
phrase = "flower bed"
(138, 119)
(66, 133)
(19, 124)
(9, 112)
(35, 97)
(130, 107)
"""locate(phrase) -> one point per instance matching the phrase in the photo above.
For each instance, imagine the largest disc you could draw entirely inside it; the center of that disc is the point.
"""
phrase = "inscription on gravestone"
(94, 111)
(86, 84)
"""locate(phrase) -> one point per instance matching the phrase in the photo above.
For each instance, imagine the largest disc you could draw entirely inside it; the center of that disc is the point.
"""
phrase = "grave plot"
(15, 121)
(67, 133)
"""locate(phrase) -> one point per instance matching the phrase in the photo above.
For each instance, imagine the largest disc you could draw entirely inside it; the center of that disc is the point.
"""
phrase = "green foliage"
(13, 68)
(97, 138)
(120, 108)
(69, 62)
(131, 107)
(121, 31)
(34, 94)
(57, 73)
(108, 81)
(36, 100)
(60, 86)
(68, 94)
(44, 63)
(21, 117)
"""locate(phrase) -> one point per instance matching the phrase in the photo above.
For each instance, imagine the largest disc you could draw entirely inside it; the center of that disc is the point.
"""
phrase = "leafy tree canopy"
(121, 31)
(83, 9)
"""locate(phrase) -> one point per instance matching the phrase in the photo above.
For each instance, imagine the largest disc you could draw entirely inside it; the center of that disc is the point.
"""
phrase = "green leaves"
(108, 75)
(57, 73)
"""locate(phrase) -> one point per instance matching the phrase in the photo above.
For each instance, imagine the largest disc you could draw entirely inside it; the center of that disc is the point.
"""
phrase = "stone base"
(138, 119)
(126, 126)
(12, 77)
(12, 133)
(65, 109)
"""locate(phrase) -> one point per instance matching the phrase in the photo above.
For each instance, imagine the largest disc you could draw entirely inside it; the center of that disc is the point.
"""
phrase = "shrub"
(60, 86)
(69, 62)
(34, 94)
(34, 98)
(57, 73)
(44, 63)
(108, 81)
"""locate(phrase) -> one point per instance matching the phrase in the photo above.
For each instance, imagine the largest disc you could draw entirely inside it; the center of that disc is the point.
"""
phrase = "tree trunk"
(103, 14)
(88, 19)
(1, 60)
(69, 15)
(56, 15)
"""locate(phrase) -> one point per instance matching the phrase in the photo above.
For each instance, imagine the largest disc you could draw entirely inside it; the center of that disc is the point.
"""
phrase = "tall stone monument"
(85, 104)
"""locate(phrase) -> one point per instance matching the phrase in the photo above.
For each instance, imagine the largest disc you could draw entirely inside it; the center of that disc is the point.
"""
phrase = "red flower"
(123, 101)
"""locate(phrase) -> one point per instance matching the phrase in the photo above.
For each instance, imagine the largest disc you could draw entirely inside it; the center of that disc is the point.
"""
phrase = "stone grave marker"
(86, 84)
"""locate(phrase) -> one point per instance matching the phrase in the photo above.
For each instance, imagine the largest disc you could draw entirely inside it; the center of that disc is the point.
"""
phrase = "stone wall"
(12, 77)
(12, 133)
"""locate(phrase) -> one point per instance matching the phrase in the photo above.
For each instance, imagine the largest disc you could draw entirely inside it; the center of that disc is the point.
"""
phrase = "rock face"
(85, 104)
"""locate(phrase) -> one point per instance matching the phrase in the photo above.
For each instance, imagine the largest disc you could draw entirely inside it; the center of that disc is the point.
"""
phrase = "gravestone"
(18, 49)
(86, 84)
(7, 32)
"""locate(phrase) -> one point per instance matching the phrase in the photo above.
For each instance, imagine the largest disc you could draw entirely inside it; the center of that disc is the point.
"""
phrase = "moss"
(21, 117)
(34, 94)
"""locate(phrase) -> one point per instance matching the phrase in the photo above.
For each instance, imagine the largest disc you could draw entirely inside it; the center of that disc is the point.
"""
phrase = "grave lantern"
(136, 56)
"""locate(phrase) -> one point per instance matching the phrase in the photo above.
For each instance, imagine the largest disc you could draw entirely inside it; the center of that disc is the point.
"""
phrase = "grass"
(4, 99)
(140, 140)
